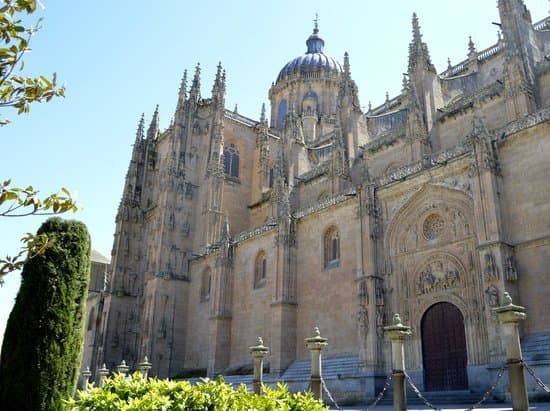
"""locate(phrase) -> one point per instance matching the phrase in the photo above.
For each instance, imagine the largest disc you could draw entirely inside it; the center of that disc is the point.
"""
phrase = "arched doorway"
(444, 352)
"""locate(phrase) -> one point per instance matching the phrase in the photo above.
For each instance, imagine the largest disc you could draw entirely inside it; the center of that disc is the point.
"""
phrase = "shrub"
(43, 341)
(135, 393)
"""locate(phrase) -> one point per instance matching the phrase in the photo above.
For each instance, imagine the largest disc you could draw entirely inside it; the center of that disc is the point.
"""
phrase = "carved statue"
(492, 296)
(491, 270)
(510, 269)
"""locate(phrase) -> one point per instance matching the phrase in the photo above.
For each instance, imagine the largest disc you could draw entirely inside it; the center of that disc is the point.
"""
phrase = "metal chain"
(381, 393)
(330, 397)
(419, 394)
(537, 379)
(490, 390)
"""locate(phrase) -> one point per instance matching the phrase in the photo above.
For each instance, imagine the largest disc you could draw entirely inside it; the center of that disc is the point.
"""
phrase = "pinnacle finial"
(183, 88)
(471, 46)
(416, 28)
(140, 134)
(397, 319)
(260, 341)
(316, 24)
(263, 119)
(347, 71)
(194, 92)
(449, 65)
(154, 126)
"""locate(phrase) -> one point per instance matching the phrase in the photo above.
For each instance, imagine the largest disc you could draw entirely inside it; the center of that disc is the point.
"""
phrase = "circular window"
(433, 226)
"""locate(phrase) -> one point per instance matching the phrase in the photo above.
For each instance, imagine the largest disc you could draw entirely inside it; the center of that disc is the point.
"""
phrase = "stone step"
(331, 367)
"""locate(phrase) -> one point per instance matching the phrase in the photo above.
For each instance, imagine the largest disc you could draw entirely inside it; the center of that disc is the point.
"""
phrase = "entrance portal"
(444, 348)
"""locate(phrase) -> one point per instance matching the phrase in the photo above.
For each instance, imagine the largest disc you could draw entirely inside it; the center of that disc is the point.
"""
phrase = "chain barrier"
(330, 397)
(484, 398)
(419, 394)
(535, 377)
(380, 394)
(490, 390)
(371, 406)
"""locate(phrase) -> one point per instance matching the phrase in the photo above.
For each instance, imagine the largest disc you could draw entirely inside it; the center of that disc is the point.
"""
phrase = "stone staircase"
(333, 368)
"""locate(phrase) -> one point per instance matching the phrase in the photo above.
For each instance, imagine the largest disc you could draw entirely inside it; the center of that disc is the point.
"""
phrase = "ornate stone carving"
(490, 271)
(433, 227)
(510, 269)
(437, 275)
(363, 294)
(492, 296)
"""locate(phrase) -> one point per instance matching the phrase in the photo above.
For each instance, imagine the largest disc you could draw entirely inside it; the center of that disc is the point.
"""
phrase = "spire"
(315, 44)
(263, 119)
(347, 71)
(182, 95)
(153, 129)
(195, 91)
(140, 133)
(218, 79)
(419, 56)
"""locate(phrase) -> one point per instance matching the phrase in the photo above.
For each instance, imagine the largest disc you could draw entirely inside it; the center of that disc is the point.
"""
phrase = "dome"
(314, 59)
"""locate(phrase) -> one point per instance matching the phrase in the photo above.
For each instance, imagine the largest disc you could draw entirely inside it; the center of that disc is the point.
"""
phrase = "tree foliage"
(42, 346)
(138, 393)
(20, 202)
(19, 91)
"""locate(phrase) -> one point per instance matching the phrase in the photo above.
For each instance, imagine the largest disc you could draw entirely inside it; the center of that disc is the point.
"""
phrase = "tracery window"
(206, 283)
(260, 270)
(231, 160)
(331, 242)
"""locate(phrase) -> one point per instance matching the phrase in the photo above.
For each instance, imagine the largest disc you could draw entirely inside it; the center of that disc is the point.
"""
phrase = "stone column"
(258, 352)
(510, 315)
(103, 373)
(122, 368)
(397, 333)
(315, 345)
(144, 367)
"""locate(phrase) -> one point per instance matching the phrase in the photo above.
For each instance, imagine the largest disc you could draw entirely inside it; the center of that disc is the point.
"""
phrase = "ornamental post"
(510, 315)
(258, 352)
(316, 344)
(86, 374)
(122, 368)
(103, 373)
(144, 367)
(397, 332)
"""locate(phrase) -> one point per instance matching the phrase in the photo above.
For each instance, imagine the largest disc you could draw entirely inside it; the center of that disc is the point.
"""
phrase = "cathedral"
(320, 214)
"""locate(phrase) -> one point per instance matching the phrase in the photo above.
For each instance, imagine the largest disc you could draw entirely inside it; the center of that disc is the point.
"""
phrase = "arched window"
(260, 270)
(282, 113)
(206, 282)
(331, 243)
(231, 160)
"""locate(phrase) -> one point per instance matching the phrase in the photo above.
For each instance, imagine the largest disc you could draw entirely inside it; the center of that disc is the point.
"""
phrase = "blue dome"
(314, 59)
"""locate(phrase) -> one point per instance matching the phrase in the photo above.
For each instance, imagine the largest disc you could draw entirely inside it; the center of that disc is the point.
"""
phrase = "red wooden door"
(444, 348)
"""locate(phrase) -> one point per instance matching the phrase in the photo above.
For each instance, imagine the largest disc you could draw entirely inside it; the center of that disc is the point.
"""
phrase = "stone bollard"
(258, 352)
(510, 315)
(397, 333)
(86, 374)
(144, 367)
(122, 368)
(315, 345)
(103, 372)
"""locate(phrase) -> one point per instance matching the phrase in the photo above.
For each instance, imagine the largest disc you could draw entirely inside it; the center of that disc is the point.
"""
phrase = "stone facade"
(231, 228)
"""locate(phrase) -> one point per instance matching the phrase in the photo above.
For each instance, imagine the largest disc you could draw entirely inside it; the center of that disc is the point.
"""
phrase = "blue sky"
(119, 59)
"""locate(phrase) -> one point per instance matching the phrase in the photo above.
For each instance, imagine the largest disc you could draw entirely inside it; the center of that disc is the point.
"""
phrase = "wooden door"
(444, 348)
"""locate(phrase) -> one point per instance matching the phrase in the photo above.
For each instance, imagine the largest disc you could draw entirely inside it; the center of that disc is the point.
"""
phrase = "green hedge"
(137, 393)
(42, 345)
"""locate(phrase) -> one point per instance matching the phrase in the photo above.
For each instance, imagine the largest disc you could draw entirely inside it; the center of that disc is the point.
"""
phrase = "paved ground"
(540, 406)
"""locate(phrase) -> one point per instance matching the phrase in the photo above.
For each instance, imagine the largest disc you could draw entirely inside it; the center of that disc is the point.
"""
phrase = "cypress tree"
(41, 353)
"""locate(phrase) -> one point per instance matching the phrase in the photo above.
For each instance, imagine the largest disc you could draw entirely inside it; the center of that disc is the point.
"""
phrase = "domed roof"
(314, 58)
